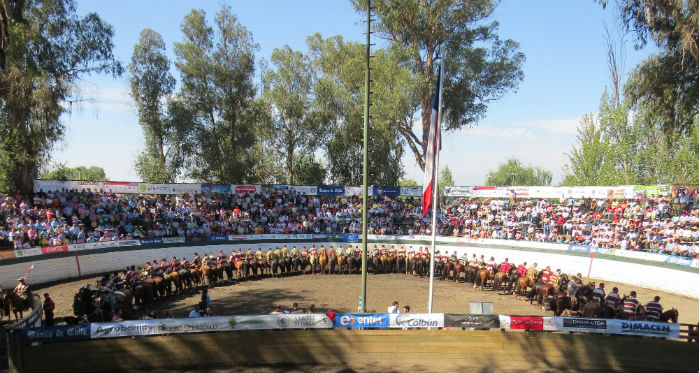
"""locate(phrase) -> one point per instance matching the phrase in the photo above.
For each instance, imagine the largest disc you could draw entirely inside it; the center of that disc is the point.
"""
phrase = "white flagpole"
(436, 172)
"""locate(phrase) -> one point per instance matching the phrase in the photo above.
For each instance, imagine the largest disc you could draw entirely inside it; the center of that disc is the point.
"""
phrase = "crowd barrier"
(612, 192)
(647, 270)
(344, 321)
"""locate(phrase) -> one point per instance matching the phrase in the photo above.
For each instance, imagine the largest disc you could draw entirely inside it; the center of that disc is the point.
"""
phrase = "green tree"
(308, 171)
(512, 172)
(666, 84)
(340, 67)
(591, 159)
(293, 122)
(166, 123)
(445, 177)
(47, 48)
(216, 68)
(480, 66)
(61, 172)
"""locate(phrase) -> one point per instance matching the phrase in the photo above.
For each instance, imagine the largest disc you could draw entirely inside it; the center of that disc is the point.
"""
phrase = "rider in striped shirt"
(653, 309)
(630, 305)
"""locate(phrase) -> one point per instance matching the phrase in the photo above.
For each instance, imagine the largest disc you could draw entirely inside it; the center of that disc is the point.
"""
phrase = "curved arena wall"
(362, 351)
(59, 266)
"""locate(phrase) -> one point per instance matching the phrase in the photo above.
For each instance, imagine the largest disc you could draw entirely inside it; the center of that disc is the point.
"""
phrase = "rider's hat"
(21, 279)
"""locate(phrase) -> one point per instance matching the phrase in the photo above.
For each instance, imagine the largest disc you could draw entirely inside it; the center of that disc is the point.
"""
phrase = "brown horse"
(322, 262)
(459, 268)
(541, 291)
(239, 268)
(592, 309)
(449, 266)
(484, 276)
(523, 283)
(670, 315)
(385, 263)
(341, 263)
(501, 279)
(17, 304)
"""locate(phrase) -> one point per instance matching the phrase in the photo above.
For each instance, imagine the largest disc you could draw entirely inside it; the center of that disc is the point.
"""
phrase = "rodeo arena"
(123, 274)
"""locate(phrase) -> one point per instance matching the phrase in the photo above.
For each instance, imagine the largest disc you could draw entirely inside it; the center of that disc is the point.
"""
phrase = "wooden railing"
(689, 332)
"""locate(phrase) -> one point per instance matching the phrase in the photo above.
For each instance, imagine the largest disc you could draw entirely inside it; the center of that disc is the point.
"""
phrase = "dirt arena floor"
(341, 292)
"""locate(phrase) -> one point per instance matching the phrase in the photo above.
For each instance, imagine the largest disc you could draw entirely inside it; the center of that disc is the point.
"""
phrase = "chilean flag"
(432, 149)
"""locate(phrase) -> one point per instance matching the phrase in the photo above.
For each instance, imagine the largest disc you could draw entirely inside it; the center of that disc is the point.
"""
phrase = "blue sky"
(565, 75)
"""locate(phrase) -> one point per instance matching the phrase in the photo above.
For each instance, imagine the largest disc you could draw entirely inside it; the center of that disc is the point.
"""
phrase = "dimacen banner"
(208, 324)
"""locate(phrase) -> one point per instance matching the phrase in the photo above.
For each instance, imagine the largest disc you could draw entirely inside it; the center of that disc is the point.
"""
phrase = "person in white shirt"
(394, 308)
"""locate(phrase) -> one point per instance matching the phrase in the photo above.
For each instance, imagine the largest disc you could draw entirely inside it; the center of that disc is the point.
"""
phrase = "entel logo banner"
(361, 321)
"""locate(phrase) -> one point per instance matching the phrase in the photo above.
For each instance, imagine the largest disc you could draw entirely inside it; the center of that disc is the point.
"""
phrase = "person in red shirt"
(48, 306)
(545, 275)
(504, 267)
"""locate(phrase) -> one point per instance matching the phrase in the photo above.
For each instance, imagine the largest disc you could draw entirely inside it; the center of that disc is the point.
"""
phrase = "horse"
(376, 265)
(384, 260)
(322, 262)
(445, 270)
(341, 265)
(561, 304)
(351, 263)
(592, 309)
(401, 264)
(304, 262)
(296, 263)
(582, 296)
(17, 304)
(228, 269)
(501, 278)
(287, 265)
(391, 263)
(670, 315)
(274, 267)
(240, 267)
(208, 273)
(459, 268)
(144, 293)
(195, 276)
(541, 291)
(313, 260)
(470, 275)
(523, 283)
(332, 263)
(484, 276)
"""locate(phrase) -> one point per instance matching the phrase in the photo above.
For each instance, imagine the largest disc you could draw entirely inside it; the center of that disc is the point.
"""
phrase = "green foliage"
(293, 122)
(513, 173)
(61, 172)
(445, 177)
(166, 123)
(308, 171)
(480, 67)
(340, 67)
(666, 84)
(591, 159)
(47, 48)
(217, 67)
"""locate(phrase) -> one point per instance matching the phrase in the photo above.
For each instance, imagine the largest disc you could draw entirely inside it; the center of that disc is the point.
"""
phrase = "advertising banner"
(413, 191)
(148, 188)
(331, 190)
(54, 249)
(173, 239)
(521, 322)
(7, 254)
(353, 191)
(92, 186)
(416, 320)
(185, 188)
(119, 187)
(386, 191)
(309, 190)
(612, 326)
(151, 241)
(56, 334)
(208, 324)
(351, 320)
(243, 189)
(28, 252)
(680, 260)
(218, 237)
(473, 322)
(351, 237)
(215, 189)
(50, 185)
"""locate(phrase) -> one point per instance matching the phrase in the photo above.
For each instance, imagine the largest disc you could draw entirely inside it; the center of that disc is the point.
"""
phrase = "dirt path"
(340, 292)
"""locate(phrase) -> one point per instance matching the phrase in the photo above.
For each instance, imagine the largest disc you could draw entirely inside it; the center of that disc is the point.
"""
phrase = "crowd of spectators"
(659, 225)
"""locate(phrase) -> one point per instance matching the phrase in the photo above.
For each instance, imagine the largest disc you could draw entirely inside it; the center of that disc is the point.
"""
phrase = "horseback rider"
(184, 263)
(22, 289)
(464, 259)
(259, 254)
(220, 257)
(453, 258)
(554, 278)
(331, 251)
(491, 265)
(504, 267)
(304, 252)
(392, 251)
(196, 260)
(376, 252)
(284, 253)
(249, 254)
(545, 275)
(653, 309)
(174, 264)
(473, 260)
(613, 299)
(401, 252)
(349, 251)
(599, 293)
(630, 305)
(481, 262)
(277, 253)
(383, 251)
(532, 271)
(295, 252)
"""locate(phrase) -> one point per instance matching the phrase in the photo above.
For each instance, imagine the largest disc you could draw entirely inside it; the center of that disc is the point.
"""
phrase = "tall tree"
(446, 177)
(340, 67)
(480, 66)
(591, 159)
(217, 67)
(166, 123)
(666, 84)
(512, 172)
(294, 123)
(47, 48)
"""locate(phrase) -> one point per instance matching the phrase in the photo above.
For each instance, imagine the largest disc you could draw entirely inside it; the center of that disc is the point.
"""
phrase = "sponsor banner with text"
(28, 252)
(215, 188)
(331, 190)
(351, 237)
(521, 322)
(7, 254)
(92, 186)
(411, 191)
(148, 188)
(245, 189)
(386, 191)
(119, 187)
(351, 320)
(416, 320)
(56, 333)
(50, 185)
(151, 241)
(473, 322)
(173, 239)
(353, 191)
(54, 249)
